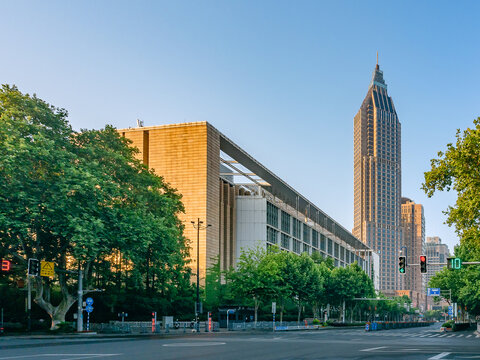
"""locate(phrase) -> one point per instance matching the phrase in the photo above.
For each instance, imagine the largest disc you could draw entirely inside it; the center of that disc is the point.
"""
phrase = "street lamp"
(198, 225)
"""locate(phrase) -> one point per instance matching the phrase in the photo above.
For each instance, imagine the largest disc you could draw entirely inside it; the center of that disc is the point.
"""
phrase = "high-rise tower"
(377, 179)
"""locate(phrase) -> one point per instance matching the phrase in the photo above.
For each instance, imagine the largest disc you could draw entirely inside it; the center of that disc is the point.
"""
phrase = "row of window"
(286, 242)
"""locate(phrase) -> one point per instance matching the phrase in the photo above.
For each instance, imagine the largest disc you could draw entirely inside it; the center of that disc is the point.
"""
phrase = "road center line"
(375, 348)
(439, 356)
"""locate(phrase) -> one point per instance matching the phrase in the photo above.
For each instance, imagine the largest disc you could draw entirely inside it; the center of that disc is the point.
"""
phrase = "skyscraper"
(377, 179)
(413, 227)
(436, 253)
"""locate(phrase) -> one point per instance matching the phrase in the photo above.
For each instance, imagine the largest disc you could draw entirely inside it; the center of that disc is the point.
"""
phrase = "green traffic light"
(402, 270)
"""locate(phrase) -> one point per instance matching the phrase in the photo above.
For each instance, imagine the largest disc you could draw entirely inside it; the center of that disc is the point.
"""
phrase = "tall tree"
(458, 169)
(78, 198)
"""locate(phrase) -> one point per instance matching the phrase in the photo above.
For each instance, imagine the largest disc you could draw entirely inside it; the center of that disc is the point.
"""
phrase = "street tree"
(79, 199)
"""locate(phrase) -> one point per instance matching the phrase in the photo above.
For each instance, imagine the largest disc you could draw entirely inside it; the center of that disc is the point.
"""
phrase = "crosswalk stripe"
(460, 335)
(443, 335)
(451, 336)
(469, 336)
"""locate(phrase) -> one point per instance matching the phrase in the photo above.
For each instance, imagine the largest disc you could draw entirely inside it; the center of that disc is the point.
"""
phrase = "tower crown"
(377, 78)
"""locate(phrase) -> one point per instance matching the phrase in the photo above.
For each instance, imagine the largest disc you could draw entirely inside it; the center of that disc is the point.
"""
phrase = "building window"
(322, 243)
(272, 235)
(296, 246)
(306, 248)
(272, 215)
(314, 238)
(285, 241)
(296, 228)
(342, 253)
(336, 250)
(306, 234)
(285, 222)
(330, 247)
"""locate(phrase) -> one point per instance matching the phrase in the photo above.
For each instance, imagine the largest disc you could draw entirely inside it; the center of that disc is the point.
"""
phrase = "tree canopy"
(82, 199)
(458, 169)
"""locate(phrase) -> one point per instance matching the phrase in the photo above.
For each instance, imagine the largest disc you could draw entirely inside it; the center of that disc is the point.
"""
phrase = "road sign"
(450, 310)
(89, 308)
(89, 301)
(433, 292)
(47, 268)
(274, 307)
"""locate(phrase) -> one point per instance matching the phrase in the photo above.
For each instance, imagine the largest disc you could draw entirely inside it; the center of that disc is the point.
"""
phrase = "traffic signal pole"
(29, 303)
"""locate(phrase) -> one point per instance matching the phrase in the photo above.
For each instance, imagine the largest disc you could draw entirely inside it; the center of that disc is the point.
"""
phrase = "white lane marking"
(77, 356)
(186, 344)
(451, 335)
(375, 348)
(468, 336)
(443, 335)
(460, 335)
(439, 356)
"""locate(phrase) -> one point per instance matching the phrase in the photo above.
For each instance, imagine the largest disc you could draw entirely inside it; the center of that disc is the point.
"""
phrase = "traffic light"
(6, 265)
(33, 267)
(423, 264)
(401, 264)
(454, 263)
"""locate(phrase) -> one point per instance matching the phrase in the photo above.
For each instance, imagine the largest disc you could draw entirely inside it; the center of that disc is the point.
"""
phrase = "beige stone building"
(244, 202)
(413, 223)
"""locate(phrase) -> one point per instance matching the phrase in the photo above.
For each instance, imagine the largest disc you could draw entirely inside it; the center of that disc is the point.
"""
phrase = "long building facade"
(377, 179)
(245, 203)
(413, 224)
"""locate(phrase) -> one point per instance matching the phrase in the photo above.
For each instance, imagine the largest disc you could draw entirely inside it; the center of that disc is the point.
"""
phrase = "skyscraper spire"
(377, 67)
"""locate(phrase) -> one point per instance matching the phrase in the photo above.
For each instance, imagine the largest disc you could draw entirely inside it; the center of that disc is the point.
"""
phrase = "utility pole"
(198, 226)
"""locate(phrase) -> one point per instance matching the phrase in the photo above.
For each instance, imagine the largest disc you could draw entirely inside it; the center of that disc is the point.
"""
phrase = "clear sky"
(283, 79)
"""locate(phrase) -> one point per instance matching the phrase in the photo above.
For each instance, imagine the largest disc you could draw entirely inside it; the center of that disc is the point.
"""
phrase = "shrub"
(448, 324)
(316, 322)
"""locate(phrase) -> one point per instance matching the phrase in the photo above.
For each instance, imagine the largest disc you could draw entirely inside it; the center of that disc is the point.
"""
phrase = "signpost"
(89, 309)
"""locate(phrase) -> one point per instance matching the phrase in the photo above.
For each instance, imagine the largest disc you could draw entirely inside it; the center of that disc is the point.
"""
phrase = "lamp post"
(198, 225)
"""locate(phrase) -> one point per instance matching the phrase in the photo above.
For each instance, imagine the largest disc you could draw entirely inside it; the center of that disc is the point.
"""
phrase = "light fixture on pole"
(199, 226)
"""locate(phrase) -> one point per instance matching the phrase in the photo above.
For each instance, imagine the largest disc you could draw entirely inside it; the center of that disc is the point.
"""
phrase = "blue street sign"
(89, 301)
(450, 310)
(89, 308)
(433, 291)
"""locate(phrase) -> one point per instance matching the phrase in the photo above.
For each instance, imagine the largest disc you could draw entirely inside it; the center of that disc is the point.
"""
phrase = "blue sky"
(283, 79)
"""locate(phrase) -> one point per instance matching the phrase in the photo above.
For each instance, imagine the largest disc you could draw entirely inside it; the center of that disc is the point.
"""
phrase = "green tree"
(457, 169)
(80, 200)
(256, 277)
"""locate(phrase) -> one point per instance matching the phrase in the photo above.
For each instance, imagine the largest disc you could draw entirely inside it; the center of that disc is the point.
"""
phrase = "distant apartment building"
(436, 252)
(413, 224)
(245, 203)
(377, 180)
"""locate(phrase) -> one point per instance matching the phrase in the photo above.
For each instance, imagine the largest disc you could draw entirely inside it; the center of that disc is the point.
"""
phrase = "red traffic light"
(5, 265)
(423, 258)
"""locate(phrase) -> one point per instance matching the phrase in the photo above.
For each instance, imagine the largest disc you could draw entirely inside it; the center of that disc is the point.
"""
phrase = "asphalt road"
(416, 343)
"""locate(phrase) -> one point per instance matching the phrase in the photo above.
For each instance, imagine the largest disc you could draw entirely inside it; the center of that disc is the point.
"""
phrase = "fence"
(387, 325)
(145, 327)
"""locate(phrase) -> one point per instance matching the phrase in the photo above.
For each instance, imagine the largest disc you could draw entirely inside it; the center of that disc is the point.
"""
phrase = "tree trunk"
(299, 312)
(256, 310)
(282, 306)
